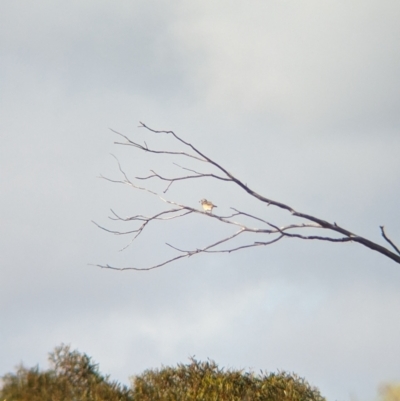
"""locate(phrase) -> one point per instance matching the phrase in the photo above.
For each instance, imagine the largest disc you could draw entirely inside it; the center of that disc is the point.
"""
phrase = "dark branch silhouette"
(178, 211)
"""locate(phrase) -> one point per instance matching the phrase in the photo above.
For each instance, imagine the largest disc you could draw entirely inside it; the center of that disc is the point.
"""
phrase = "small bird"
(207, 205)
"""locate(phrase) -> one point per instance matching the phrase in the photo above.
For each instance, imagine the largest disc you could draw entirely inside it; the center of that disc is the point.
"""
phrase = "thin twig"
(388, 239)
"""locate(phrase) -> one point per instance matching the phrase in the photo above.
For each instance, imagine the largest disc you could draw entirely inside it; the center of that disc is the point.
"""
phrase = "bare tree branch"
(180, 211)
(146, 149)
(188, 177)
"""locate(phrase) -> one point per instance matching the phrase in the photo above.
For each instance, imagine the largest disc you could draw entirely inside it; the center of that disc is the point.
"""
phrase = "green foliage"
(72, 377)
(75, 377)
(390, 392)
(204, 381)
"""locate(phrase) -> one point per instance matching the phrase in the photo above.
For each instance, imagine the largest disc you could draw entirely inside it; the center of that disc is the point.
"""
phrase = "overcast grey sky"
(299, 99)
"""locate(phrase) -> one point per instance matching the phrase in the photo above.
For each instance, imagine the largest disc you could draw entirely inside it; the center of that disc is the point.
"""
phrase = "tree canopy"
(206, 381)
(73, 376)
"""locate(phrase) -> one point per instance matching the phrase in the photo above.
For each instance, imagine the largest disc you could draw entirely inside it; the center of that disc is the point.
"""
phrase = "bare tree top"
(331, 232)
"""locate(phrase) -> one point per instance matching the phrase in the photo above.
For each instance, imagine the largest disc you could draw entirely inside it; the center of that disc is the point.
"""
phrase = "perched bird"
(207, 205)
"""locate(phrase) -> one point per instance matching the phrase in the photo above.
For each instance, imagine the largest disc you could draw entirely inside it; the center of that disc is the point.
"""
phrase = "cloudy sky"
(300, 100)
